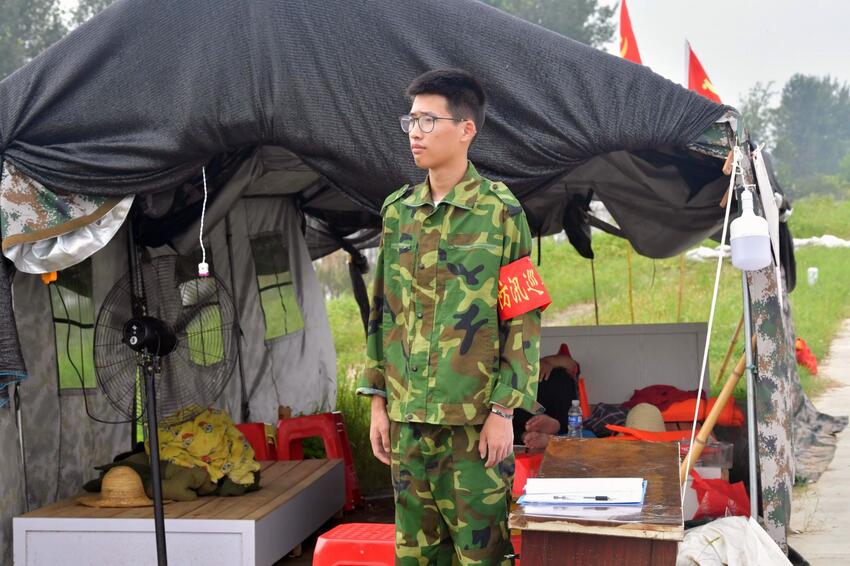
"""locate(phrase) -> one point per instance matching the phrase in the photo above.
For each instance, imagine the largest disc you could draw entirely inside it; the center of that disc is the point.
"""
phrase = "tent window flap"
(274, 282)
(73, 325)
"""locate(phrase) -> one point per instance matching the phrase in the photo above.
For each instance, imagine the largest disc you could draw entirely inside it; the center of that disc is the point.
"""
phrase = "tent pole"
(245, 406)
(729, 350)
(595, 300)
(20, 423)
(631, 285)
(751, 405)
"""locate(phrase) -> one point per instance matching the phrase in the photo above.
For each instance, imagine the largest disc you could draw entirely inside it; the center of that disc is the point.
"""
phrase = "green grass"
(818, 311)
(350, 341)
(816, 216)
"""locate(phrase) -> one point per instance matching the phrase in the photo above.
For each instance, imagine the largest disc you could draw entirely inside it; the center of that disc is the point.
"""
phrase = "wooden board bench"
(261, 527)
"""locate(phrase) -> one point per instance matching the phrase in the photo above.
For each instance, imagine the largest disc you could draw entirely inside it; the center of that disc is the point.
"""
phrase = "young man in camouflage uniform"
(445, 375)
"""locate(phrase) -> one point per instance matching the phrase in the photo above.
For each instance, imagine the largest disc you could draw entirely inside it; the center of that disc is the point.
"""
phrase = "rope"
(736, 169)
(203, 267)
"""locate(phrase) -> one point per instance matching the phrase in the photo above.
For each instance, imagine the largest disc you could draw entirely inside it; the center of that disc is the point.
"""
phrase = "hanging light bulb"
(749, 237)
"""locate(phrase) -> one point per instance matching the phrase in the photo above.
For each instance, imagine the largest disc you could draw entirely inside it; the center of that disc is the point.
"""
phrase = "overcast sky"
(743, 41)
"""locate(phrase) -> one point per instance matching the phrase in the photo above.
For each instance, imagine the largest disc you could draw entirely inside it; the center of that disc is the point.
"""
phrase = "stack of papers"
(586, 498)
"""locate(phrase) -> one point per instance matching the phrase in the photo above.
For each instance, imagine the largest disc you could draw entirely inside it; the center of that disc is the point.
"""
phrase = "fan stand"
(149, 365)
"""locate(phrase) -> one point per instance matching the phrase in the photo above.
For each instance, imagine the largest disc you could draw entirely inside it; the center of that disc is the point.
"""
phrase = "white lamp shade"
(750, 239)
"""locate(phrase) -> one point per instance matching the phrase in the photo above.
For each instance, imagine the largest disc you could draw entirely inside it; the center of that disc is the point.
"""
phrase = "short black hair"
(462, 90)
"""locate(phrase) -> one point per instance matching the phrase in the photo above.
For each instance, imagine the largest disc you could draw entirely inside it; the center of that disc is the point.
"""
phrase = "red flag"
(698, 80)
(628, 44)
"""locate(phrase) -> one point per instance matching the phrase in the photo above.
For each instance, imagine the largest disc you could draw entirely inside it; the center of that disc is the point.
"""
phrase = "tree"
(87, 8)
(583, 20)
(27, 27)
(812, 128)
(758, 114)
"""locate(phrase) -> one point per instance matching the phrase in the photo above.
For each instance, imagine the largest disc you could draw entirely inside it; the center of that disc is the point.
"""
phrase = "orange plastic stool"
(255, 434)
(330, 427)
(356, 544)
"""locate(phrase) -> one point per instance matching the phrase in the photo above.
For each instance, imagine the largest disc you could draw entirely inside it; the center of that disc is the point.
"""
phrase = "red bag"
(718, 498)
(805, 357)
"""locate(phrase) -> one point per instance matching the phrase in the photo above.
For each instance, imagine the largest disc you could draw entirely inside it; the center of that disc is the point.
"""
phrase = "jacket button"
(419, 315)
(421, 266)
(409, 417)
(414, 369)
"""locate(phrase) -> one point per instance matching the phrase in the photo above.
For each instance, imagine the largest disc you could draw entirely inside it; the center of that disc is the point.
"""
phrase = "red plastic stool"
(255, 434)
(365, 544)
(517, 542)
(356, 544)
(330, 427)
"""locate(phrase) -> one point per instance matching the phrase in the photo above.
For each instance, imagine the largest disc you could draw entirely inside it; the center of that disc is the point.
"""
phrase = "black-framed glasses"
(426, 122)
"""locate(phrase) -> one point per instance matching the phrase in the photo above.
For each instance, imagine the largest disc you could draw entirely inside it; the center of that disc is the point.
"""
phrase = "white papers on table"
(584, 491)
(589, 512)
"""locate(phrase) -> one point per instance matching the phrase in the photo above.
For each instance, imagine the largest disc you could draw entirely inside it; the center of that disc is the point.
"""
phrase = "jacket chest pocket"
(472, 267)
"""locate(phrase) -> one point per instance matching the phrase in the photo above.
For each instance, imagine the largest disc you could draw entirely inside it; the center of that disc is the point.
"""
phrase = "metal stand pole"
(751, 402)
(156, 479)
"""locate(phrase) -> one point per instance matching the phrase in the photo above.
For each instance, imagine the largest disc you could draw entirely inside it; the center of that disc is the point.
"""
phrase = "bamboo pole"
(729, 351)
(595, 298)
(710, 420)
(708, 425)
(681, 287)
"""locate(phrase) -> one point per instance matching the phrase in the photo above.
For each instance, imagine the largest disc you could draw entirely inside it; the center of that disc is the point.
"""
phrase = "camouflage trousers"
(449, 508)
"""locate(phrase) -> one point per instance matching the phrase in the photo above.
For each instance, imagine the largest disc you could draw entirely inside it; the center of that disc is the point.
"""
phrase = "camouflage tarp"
(773, 378)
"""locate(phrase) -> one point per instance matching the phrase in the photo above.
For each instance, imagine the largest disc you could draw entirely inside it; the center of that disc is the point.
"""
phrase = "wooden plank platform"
(260, 527)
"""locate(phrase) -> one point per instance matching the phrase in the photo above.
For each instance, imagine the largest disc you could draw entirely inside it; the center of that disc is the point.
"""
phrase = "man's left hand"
(497, 439)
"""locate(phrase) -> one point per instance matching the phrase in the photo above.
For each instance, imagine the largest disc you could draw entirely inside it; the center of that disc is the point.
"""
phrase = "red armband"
(520, 289)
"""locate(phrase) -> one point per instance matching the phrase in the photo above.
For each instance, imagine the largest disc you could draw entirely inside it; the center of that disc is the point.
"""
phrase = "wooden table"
(646, 535)
(260, 527)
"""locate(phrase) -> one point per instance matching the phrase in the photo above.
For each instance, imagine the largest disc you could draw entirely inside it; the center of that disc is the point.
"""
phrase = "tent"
(290, 107)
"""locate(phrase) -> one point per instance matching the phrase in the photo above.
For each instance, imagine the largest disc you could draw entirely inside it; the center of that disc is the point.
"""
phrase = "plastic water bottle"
(574, 418)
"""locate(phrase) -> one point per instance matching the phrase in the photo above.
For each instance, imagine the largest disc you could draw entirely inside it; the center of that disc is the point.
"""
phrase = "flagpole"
(687, 64)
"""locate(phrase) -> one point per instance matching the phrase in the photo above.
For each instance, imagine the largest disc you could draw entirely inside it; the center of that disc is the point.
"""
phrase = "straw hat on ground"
(120, 487)
(644, 416)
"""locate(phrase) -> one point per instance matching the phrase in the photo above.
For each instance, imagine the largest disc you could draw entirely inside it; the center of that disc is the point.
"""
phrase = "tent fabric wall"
(62, 445)
(303, 363)
(813, 433)
(12, 499)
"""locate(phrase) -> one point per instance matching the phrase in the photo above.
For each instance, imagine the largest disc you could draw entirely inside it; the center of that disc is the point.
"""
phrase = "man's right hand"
(379, 429)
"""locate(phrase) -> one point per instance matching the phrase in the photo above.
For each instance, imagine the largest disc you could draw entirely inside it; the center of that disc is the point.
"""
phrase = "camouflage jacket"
(435, 346)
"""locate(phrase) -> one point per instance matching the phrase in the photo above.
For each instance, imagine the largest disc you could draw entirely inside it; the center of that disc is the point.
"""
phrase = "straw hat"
(644, 416)
(120, 487)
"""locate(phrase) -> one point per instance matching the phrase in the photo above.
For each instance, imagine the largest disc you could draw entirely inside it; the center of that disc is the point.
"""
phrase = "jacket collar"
(462, 195)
